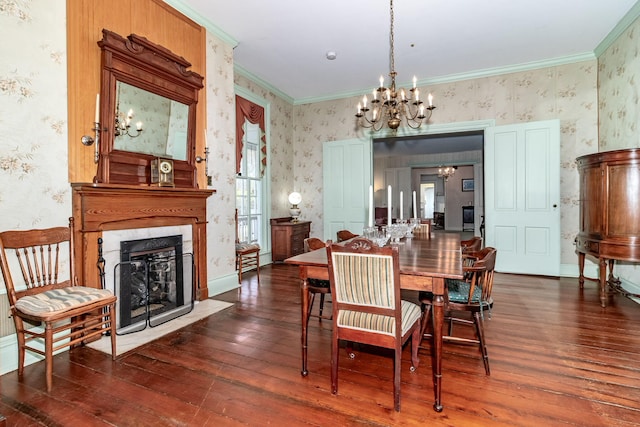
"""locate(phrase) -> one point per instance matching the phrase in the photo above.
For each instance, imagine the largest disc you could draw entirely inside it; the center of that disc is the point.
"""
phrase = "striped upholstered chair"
(365, 287)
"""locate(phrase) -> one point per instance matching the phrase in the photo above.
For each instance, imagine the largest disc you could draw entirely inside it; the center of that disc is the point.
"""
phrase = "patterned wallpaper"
(33, 120)
(566, 92)
(33, 150)
(220, 138)
(619, 99)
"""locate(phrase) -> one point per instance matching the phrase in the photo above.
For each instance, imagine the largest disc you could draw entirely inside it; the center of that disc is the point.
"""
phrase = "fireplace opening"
(154, 283)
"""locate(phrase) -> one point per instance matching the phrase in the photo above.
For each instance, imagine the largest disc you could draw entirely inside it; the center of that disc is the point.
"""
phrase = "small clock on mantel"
(162, 172)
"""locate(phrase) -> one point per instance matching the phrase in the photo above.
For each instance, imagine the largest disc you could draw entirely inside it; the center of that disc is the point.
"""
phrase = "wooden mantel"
(101, 207)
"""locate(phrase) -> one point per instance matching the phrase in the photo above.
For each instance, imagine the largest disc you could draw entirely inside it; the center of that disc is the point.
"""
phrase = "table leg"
(581, 269)
(438, 323)
(305, 320)
(603, 282)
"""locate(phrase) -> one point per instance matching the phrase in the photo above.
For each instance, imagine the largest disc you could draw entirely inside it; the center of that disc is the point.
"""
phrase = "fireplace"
(153, 282)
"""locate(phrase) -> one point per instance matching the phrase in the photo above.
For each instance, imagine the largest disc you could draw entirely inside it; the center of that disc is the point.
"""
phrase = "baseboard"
(9, 355)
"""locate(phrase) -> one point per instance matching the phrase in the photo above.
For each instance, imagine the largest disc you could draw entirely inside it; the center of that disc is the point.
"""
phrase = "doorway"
(418, 160)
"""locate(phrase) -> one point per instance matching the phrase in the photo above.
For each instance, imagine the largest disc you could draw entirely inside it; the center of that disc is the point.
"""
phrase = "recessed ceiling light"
(331, 55)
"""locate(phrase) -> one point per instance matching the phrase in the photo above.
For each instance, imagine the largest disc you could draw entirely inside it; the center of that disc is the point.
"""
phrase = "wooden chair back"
(471, 245)
(345, 235)
(367, 307)
(312, 244)
(38, 254)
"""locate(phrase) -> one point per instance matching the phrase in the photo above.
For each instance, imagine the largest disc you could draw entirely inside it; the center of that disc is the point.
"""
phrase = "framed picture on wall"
(467, 184)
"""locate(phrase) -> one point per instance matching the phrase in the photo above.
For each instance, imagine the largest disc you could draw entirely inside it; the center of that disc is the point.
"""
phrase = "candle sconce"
(205, 159)
(88, 141)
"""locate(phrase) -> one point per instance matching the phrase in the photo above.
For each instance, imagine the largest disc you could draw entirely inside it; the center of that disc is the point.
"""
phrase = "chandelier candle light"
(393, 105)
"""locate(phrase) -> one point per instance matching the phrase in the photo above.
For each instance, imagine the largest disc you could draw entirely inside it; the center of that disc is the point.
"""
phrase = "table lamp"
(294, 211)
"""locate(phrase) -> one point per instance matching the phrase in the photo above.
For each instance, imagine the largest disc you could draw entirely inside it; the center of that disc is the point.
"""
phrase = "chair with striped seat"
(367, 308)
(49, 295)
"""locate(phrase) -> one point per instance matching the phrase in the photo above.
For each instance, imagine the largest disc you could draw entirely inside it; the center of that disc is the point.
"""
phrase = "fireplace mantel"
(100, 207)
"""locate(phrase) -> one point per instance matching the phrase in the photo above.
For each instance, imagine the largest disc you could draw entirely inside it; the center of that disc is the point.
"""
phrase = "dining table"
(425, 263)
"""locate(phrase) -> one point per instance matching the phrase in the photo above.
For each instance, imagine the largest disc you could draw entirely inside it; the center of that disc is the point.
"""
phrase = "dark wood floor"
(557, 358)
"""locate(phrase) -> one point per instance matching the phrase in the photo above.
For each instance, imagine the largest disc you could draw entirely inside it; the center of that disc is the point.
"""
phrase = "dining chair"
(467, 301)
(367, 308)
(345, 235)
(316, 286)
(247, 255)
(50, 309)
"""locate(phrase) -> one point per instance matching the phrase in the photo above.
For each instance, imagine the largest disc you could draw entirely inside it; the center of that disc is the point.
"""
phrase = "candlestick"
(389, 205)
(415, 215)
(370, 206)
(97, 119)
(401, 210)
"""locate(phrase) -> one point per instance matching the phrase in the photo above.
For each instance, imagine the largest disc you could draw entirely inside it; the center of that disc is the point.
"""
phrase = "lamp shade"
(295, 198)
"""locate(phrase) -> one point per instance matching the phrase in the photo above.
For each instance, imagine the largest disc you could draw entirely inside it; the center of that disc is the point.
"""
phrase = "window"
(249, 187)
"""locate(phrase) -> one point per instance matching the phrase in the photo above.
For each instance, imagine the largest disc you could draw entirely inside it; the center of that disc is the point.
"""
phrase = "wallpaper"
(33, 120)
(566, 92)
(619, 96)
(220, 139)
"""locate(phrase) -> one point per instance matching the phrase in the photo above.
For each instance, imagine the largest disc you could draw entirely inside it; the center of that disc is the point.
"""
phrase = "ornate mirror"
(147, 111)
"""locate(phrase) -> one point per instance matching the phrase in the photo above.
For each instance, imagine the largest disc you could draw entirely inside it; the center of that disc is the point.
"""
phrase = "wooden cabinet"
(609, 212)
(287, 238)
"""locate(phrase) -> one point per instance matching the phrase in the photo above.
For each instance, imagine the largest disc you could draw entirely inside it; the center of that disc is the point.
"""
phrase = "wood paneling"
(152, 19)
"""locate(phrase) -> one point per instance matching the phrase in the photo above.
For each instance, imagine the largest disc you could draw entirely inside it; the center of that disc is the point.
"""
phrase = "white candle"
(389, 205)
(370, 206)
(415, 80)
(401, 203)
(97, 119)
(430, 98)
(381, 81)
(415, 215)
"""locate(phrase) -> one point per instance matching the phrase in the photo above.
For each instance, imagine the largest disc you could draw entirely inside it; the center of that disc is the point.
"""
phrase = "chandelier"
(392, 105)
(446, 172)
(123, 124)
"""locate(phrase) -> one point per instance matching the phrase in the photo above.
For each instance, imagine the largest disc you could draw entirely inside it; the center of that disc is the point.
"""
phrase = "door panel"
(522, 189)
(346, 178)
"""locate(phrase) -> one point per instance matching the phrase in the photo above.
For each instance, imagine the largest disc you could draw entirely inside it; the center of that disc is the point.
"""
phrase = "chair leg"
(112, 328)
(239, 264)
(416, 338)
(478, 322)
(321, 304)
(21, 344)
(258, 266)
(424, 322)
(48, 355)
(335, 345)
(396, 377)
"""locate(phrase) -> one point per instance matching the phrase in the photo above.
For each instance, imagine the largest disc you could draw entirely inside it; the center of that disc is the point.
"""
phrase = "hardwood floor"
(557, 358)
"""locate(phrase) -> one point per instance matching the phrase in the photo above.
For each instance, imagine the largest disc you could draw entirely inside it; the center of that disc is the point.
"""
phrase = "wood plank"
(557, 358)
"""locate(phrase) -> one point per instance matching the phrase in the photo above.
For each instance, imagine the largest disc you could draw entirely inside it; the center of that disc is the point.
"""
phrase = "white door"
(346, 171)
(522, 197)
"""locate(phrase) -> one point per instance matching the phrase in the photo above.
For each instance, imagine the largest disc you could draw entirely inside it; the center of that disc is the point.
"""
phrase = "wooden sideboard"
(609, 213)
(287, 237)
(101, 207)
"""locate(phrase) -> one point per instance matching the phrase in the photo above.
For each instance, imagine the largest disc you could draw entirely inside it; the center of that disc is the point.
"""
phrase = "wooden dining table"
(425, 263)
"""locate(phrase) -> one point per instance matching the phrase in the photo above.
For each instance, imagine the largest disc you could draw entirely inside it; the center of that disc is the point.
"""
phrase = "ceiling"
(284, 42)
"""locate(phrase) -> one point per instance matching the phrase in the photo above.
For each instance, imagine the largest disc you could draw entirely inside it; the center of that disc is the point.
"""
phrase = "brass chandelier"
(391, 106)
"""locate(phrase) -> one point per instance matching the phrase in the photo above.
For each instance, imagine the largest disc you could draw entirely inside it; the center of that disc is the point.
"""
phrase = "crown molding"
(238, 69)
(617, 31)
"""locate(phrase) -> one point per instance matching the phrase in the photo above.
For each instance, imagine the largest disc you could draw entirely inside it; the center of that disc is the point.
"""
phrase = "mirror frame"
(137, 61)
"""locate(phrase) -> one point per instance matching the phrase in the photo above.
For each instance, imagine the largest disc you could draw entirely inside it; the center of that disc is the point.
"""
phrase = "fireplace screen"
(154, 283)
